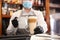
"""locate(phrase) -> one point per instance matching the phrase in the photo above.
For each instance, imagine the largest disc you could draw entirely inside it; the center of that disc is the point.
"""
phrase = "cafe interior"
(50, 10)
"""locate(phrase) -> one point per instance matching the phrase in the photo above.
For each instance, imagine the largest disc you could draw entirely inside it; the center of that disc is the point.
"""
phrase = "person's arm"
(41, 21)
(11, 29)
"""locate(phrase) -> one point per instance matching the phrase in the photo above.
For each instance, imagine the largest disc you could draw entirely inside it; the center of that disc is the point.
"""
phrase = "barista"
(21, 16)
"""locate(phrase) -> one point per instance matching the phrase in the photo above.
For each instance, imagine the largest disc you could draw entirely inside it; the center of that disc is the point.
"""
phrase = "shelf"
(6, 16)
(15, 3)
(38, 5)
(21, 4)
(51, 5)
(54, 5)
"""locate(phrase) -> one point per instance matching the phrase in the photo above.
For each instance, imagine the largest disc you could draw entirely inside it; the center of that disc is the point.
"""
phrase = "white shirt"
(40, 20)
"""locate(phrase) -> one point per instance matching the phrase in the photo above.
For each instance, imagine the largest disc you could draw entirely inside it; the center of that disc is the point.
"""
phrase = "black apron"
(26, 29)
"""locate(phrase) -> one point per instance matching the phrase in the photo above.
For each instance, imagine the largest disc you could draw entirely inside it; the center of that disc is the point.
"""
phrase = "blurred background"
(50, 9)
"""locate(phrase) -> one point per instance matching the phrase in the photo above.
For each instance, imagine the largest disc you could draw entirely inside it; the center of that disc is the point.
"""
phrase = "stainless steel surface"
(27, 37)
(45, 37)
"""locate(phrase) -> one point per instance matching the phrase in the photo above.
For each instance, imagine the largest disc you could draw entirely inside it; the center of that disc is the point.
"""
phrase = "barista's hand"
(38, 30)
(15, 22)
